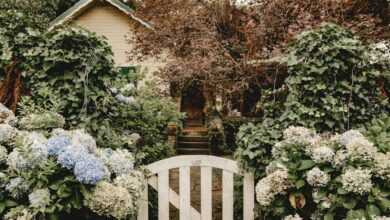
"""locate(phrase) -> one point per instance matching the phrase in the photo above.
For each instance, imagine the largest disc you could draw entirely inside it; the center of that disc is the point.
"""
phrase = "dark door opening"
(193, 103)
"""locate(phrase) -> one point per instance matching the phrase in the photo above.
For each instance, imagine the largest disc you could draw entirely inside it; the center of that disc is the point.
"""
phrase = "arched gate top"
(194, 161)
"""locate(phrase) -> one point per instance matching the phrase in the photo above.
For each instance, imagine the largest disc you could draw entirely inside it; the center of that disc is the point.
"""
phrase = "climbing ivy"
(332, 86)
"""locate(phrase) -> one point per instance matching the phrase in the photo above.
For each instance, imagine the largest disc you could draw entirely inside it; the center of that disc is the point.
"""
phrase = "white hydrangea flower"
(298, 135)
(134, 182)
(7, 116)
(322, 155)
(380, 218)
(293, 217)
(19, 213)
(278, 150)
(80, 137)
(17, 187)
(270, 186)
(317, 178)
(360, 149)
(39, 198)
(315, 142)
(112, 201)
(3, 154)
(357, 181)
(340, 158)
(119, 161)
(7, 133)
(30, 151)
(348, 136)
(17, 162)
(382, 166)
(25, 138)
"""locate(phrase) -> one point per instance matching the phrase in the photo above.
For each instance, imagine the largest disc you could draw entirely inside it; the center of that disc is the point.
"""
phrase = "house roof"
(83, 4)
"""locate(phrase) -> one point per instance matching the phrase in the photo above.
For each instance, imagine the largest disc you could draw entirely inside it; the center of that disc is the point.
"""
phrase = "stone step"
(198, 131)
(193, 151)
(193, 138)
(193, 123)
(183, 144)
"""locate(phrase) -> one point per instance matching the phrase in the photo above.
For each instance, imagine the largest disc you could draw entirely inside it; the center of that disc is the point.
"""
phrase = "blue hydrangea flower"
(90, 170)
(71, 155)
(57, 144)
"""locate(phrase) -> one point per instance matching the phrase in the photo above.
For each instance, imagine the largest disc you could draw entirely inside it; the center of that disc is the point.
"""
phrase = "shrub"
(73, 65)
(325, 177)
(332, 86)
(44, 178)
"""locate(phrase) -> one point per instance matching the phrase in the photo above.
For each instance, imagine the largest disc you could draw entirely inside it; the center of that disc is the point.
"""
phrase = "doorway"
(193, 104)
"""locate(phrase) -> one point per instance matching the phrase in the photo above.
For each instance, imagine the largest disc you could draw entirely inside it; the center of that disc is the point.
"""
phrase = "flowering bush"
(46, 172)
(313, 176)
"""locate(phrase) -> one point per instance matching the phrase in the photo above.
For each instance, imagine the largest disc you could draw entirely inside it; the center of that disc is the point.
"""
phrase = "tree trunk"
(10, 88)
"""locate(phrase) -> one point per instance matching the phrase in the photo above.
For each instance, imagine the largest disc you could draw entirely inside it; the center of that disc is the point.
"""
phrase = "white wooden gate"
(159, 180)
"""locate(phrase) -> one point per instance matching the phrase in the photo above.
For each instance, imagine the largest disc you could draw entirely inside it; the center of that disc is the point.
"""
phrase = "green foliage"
(40, 10)
(231, 127)
(378, 131)
(255, 143)
(18, 33)
(332, 86)
(72, 65)
(149, 117)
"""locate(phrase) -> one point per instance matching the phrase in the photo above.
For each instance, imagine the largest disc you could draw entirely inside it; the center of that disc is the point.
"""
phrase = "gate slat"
(227, 195)
(143, 212)
(185, 193)
(163, 195)
(249, 194)
(206, 193)
(174, 198)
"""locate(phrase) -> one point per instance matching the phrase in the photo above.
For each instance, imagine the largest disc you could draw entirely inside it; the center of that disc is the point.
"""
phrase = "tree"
(226, 46)
(18, 33)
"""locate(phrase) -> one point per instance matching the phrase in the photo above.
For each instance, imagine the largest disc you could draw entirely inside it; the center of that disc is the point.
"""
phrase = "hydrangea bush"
(313, 176)
(46, 172)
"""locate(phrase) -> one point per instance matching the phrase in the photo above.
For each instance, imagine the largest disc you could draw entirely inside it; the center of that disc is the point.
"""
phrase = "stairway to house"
(194, 139)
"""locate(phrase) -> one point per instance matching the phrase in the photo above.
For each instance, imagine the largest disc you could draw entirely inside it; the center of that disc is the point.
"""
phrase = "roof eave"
(71, 12)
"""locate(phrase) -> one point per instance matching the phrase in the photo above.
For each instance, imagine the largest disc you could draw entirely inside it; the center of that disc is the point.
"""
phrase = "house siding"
(108, 21)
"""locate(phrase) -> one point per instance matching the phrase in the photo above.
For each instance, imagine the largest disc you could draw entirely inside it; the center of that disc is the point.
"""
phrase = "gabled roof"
(83, 4)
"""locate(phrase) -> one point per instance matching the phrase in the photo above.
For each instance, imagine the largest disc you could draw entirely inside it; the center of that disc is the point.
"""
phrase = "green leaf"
(306, 164)
(329, 216)
(349, 203)
(2, 207)
(10, 203)
(373, 210)
(299, 184)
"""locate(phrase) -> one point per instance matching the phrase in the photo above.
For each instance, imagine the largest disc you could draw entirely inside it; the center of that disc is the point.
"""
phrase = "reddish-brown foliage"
(10, 87)
(216, 42)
